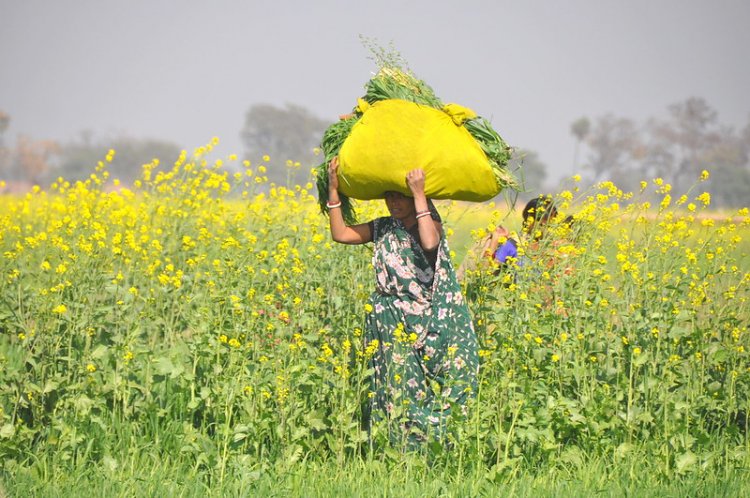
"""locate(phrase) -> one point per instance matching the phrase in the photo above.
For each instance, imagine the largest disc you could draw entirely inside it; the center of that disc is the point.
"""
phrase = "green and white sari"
(420, 335)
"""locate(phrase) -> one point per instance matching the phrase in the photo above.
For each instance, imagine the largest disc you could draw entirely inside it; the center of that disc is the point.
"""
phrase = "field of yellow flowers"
(203, 317)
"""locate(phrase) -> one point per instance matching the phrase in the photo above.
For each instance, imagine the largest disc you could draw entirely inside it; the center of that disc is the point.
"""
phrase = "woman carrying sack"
(419, 332)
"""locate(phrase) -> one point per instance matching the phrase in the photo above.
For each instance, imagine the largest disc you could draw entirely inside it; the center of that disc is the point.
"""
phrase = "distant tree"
(676, 148)
(613, 143)
(679, 145)
(33, 159)
(580, 129)
(4, 150)
(285, 134)
(533, 170)
(4, 123)
(727, 161)
(79, 159)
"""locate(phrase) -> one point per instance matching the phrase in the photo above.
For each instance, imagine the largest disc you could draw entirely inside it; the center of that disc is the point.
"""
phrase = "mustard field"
(202, 321)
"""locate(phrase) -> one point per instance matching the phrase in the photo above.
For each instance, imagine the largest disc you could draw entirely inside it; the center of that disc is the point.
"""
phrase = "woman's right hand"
(501, 231)
(495, 237)
(333, 178)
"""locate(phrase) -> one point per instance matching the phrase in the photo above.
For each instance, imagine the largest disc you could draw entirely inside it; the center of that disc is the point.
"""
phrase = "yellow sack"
(395, 136)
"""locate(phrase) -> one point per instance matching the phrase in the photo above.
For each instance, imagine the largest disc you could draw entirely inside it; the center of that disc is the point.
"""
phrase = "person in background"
(537, 213)
(546, 235)
(418, 331)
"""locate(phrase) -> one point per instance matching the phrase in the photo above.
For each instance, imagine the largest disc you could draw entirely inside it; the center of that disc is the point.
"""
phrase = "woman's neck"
(409, 222)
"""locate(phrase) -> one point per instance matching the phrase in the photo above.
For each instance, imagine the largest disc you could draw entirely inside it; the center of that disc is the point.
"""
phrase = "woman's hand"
(493, 242)
(333, 178)
(415, 182)
(501, 231)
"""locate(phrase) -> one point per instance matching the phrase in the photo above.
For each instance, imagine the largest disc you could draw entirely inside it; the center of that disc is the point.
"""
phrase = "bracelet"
(422, 214)
(332, 206)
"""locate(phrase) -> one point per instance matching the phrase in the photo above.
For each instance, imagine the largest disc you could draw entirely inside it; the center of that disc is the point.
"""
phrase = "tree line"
(677, 148)
(30, 161)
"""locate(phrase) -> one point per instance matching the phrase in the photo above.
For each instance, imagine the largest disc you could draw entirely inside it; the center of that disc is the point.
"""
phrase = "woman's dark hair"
(538, 208)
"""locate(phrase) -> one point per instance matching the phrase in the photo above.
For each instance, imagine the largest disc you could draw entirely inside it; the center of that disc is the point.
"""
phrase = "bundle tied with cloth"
(400, 125)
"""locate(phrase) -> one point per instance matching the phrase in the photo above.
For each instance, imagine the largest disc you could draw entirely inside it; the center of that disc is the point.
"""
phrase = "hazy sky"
(188, 70)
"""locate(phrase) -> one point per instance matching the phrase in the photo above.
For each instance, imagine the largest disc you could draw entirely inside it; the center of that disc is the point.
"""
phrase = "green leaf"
(99, 352)
(165, 366)
(7, 431)
(359, 437)
(83, 404)
(293, 454)
(315, 421)
(299, 433)
(685, 462)
(623, 450)
(720, 355)
(641, 359)
(50, 386)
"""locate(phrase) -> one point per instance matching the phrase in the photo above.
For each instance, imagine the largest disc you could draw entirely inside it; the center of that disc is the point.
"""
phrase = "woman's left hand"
(415, 181)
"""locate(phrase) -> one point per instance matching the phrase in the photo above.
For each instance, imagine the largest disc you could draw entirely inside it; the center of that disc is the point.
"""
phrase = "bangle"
(422, 214)
(334, 205)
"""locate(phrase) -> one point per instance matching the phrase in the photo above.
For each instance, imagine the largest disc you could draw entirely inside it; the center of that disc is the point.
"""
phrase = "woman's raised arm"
(340, 232)
(429, 229)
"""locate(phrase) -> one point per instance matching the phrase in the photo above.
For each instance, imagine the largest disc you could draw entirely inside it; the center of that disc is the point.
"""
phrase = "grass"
(146, 475)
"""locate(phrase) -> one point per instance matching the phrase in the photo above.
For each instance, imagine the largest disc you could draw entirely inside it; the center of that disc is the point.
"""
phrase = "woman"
(535, 216)
(418, 327)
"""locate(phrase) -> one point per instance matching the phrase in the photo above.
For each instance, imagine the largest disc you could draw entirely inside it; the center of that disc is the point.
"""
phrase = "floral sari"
(420, 335)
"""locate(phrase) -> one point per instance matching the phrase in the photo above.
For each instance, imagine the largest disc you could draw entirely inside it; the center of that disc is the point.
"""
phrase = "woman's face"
(399, 205)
